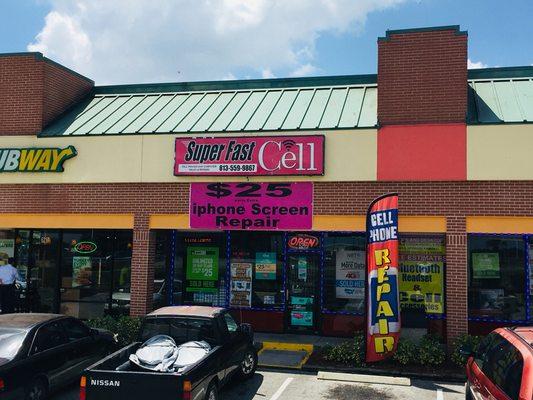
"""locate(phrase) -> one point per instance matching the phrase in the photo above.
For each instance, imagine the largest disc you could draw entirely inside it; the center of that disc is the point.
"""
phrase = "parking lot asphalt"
(287, 385)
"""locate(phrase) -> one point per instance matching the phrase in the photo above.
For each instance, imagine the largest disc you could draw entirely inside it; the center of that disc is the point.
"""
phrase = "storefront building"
(252, 194)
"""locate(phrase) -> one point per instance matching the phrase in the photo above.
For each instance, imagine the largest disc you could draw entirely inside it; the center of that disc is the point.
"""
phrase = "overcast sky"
(133, 41)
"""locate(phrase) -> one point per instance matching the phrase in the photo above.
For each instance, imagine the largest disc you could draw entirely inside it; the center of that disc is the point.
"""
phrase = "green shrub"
(431, 351)
(126, 328)
(463, 342)
(350, 352)
(406, 353)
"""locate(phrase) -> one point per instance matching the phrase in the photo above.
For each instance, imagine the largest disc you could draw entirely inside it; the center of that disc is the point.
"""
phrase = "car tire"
(468, 393)
(248, 365)
(212, 391)
(36, 390)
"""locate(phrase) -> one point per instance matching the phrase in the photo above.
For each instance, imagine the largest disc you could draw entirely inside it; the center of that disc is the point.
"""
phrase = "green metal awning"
(495, 95)
(500, 101)
(111, 111)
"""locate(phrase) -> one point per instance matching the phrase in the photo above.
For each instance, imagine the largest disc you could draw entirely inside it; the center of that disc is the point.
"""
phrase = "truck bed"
(116, 376)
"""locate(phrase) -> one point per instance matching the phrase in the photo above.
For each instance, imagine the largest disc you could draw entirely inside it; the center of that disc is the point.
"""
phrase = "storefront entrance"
(302, 292)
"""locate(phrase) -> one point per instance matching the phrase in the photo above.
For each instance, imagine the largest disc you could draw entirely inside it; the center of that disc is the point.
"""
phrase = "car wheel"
(248, 364)
(212, 391)
(37, 390)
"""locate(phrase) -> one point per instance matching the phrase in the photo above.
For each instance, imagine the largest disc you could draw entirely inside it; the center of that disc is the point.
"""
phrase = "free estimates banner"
(251, 206)
(383, 311)
(240, 156)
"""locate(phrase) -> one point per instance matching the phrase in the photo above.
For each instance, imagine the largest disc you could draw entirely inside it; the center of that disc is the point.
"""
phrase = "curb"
(383, 372)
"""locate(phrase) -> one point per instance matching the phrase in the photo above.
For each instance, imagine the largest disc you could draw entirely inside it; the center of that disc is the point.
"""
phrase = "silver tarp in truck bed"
(160, 353)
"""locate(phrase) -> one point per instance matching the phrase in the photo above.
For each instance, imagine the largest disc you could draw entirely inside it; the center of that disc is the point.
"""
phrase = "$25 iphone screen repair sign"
(251, 206)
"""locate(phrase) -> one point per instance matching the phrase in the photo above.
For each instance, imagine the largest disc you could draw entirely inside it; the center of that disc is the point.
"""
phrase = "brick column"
(456, 278)
(142, 266)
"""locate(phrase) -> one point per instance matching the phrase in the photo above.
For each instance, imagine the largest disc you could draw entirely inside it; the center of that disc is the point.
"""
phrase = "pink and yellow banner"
(383, 311)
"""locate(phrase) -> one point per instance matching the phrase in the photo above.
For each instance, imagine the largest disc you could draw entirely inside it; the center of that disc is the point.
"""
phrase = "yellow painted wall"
(518, 225)
(58, 221)
(354, 223)
(351, 155)
(500, 152)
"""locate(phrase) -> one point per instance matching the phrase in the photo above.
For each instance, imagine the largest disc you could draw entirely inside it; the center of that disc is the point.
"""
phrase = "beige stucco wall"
(351, 155)
(500, 152)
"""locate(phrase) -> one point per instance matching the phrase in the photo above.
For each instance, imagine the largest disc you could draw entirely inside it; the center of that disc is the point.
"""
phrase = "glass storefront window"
(161, 268)
(344, 272)
(121, 265)
(530, 251)
(256, 278)
(200, 261)
(421, 279)
(497, 277)
(85, 273)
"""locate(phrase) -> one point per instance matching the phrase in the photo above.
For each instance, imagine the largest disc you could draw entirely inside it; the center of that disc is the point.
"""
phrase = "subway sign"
(242, 156)
(35, 159)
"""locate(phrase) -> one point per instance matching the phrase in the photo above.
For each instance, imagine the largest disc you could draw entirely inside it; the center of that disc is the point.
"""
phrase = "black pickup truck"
(232, 353)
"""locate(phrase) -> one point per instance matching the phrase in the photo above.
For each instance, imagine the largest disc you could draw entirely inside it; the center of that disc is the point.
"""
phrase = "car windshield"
(10, 342)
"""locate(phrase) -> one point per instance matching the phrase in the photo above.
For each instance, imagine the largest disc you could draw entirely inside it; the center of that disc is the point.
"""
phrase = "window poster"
(241, 285)
(202, 269)
(81, 271)
(302, 318)
(350, 272)
(422, 273)
(302, 269)
(486, 265)
(7, 249)
(265, 266)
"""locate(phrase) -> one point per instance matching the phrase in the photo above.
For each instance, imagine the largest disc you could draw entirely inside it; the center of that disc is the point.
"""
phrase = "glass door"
(86, 274)
(37, 262)
(302, 292)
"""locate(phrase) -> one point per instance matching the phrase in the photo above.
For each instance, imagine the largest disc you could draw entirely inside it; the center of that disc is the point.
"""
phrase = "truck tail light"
(83, 384)
(2, 385)
(187, 389)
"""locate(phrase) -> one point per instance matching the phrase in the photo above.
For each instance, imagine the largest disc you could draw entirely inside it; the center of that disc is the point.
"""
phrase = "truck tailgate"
(128, 385)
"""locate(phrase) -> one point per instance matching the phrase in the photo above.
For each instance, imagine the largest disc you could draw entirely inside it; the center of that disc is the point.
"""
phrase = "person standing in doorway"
(8, 277)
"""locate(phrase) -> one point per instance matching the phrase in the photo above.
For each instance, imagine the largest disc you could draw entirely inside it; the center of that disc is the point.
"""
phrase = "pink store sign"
(240, 156)
(251, 206)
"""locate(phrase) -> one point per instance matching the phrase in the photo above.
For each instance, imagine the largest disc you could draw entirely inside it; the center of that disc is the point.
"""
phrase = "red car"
(502, 367)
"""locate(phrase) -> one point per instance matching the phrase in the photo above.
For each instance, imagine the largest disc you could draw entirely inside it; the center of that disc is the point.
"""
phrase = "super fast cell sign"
(241, 156)
(35, 159)
(383, 313)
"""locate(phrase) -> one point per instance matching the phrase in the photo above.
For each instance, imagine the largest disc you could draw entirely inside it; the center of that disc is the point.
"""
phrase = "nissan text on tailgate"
(184, 352)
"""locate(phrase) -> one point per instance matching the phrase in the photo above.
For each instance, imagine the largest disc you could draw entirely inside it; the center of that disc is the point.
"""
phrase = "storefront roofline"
(243, 84)
(40, 57)
(525, 71)
(456, 28)
(366, 79)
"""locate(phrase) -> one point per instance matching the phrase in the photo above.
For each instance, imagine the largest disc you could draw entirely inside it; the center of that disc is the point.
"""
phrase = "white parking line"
(281, 389)
(440, 395)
